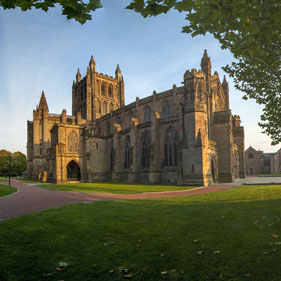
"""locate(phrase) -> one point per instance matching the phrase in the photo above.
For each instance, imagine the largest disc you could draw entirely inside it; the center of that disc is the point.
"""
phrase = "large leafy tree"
(250, 29)
(78, 10)
(17, 163)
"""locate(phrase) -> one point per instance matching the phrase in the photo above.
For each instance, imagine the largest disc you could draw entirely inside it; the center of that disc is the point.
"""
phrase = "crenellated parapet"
(195, 90)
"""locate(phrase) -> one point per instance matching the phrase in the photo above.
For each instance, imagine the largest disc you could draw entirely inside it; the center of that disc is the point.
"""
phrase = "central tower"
(97, 94)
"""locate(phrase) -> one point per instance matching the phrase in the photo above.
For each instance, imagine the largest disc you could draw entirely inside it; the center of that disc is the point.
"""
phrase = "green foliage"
(270, 175)
(228, 235)
(250, 29)
(73, 9)
(17, 162)
(4, 152)
(114, 188)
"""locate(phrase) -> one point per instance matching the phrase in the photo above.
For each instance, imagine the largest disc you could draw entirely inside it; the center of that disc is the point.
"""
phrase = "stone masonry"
(185, 135)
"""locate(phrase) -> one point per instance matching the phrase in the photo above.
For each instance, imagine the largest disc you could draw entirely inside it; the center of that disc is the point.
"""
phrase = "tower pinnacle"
(206, 64)
(92, 63)
(78, 76)
(118, 72)
(43, 102)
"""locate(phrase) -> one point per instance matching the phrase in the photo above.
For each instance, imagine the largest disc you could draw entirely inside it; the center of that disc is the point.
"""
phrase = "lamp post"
(10, 155)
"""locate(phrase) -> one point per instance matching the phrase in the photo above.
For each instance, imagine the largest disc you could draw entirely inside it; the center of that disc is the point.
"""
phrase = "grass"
(29, 181)
(116, 188)
(2, 179)
(270, 175)
(6, 190)
(228, 235)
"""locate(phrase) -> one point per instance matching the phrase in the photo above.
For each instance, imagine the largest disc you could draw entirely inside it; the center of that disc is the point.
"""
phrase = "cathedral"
(186, 135)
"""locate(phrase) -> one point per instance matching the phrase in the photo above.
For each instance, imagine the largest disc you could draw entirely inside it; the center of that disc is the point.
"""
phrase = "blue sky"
(42, 51)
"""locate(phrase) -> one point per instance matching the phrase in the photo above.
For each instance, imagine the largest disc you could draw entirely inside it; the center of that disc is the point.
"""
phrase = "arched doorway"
(213, 170)
(73, 171)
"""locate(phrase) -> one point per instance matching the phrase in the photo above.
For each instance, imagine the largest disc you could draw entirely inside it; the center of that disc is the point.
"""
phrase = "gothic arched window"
(72, 142)
(166, 110)
(127, 153)
(98, 107)
(110, 91)
(251, 155)
(147, 114)
(171, 148)
(108, 131)
(103, 89)
(146, 150)
(111, 158)
(104, 108)
(118, 120)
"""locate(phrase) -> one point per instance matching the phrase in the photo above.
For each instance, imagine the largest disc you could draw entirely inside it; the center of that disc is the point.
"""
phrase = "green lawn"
(229, 235)
(270, 175)
(2, 179)
(29, 181)
(6, 190)
(117, 188)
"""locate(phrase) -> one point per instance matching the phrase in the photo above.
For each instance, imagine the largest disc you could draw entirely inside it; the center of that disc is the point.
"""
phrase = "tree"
(18, 163)
(78, 10)
(250, 29)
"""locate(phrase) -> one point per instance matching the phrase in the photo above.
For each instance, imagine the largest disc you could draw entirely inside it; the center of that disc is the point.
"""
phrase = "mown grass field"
(117, 188)
(270, 175)
(29, 181)
(6, 190)
(2, 179)
(228, 235)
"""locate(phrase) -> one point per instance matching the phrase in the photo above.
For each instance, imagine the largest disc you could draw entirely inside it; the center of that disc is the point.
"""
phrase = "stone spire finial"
(92, 63)
(226, 91)
(118, 72)
(206, 64)
(78, 76)
(43, 102)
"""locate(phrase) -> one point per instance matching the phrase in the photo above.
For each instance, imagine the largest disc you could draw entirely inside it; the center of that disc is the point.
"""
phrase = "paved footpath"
(30, 199)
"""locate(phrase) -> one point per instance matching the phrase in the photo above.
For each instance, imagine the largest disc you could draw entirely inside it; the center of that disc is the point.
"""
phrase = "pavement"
(30, 198)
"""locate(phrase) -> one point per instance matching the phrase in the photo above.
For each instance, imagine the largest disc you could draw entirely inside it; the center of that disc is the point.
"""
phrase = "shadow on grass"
(115, 188)
(229, 235)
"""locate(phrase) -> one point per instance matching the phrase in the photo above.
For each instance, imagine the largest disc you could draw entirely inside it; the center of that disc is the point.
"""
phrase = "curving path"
(31, 199)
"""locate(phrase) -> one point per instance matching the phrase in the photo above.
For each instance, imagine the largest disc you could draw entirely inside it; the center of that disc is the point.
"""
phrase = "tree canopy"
(17, 162)
(78, 10)
(250, 29)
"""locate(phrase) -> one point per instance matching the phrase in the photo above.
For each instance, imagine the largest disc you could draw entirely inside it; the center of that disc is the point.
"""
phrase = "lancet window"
(127, 153)
(103, 89)
(171, 148)
(146, 141)
(147, 114)
(108, 130)
(166, 110)
(110, 91)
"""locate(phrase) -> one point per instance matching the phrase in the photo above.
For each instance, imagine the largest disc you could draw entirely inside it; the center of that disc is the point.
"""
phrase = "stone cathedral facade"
(185, 135)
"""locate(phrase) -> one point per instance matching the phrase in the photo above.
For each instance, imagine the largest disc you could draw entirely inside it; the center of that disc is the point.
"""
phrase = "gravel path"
(30, 199)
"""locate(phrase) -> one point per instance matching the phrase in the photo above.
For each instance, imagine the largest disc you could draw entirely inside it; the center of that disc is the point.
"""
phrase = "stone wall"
(185, 135)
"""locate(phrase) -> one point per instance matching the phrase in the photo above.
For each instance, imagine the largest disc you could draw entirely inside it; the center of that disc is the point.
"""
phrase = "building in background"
(185, 135)
(257, 162)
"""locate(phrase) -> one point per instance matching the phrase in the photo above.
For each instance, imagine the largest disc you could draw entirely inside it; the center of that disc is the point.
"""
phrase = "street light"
(10, 156)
